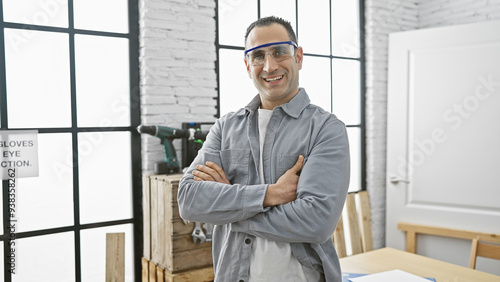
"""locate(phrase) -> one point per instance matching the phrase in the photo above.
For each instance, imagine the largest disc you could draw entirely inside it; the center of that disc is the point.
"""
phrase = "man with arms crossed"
(273, 176)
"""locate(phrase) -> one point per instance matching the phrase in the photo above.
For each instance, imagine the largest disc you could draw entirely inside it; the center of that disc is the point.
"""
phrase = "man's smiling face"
(277, 82)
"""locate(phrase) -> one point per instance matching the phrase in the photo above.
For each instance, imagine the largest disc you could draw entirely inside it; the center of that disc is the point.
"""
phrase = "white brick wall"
(177, 66)
(383, 17)
(434, 13)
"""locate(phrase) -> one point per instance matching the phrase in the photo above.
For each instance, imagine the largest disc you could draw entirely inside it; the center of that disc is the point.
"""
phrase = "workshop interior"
(105, 104)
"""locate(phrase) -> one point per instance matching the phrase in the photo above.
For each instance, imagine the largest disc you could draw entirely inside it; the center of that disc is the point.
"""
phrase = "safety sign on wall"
(19, 153)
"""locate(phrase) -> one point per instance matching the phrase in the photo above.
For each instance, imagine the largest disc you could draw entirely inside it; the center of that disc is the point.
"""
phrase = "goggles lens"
(280, 51)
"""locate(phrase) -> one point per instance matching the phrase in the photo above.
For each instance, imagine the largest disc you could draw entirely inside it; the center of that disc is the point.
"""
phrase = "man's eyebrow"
(272, 47)
(256, 51)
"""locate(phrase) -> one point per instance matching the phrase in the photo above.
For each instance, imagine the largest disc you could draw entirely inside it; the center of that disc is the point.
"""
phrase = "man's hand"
(285, 189)
(210, 172)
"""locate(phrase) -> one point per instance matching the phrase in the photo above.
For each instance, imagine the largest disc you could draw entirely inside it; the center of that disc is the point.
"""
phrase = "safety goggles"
(280, 51)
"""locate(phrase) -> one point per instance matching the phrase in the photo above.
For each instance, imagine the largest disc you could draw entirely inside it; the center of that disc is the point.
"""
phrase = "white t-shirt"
(271, 260)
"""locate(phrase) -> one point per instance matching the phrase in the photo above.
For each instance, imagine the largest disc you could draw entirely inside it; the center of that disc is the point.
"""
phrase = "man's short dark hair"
(267, 21)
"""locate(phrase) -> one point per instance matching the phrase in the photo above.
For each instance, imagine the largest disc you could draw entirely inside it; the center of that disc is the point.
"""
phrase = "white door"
(443, 140)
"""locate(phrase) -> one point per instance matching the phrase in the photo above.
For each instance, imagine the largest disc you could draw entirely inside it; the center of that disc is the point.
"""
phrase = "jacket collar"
(293, 108)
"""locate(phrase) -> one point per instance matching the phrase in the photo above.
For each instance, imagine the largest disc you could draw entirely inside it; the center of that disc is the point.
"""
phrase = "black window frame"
(74, 130)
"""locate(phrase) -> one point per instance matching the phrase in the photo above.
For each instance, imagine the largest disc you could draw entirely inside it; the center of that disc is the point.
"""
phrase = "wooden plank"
(179, 247)
(180, 228)
(488, 250)
(198, 275)
(146, 215)
(352, 216)
(173, 182)
(154, 221)
(167, 259)
(175, 211)
(159, 274)
(152, 272)
(191, 259)
(185, 242)
(339, 239)
(175, 189)
(449, 232)
(473, 254)
(411, 242)
(115, 257)
(365, 221)
(172, 178)
(145, 269)
(163, 207)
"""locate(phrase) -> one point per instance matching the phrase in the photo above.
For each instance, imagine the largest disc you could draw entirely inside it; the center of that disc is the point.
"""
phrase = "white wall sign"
(18, 153)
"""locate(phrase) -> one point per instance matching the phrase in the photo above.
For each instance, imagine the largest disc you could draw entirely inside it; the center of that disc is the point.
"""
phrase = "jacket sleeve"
(212, 202)
(321, 194)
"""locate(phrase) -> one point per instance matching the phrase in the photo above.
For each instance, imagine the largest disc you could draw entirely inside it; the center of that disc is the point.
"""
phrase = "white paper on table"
(395, 275)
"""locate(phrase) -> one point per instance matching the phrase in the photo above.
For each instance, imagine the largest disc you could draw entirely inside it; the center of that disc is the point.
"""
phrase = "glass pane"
(45, 258)
(234, 18)
(236, 87)
(93, 245)
(284, 9)
(102, 81)
(2, 261)
(47, 201)
(354, 134)
(315, 69)
(109, 15)
(346, 90)
(313, 31)
(47, 13)
(38, 85)
(105, 176)
(345, 28)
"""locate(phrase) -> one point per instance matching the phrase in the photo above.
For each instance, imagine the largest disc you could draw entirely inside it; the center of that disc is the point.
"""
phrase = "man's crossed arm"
(282, 192)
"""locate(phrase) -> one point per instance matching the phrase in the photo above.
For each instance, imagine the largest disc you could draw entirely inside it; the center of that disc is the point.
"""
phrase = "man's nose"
(270, 63)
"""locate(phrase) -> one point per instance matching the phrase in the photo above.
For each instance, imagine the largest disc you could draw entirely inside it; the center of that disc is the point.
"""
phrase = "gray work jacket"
(296, 128)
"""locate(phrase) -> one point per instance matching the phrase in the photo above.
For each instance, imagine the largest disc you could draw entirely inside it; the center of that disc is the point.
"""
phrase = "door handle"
(396, 180)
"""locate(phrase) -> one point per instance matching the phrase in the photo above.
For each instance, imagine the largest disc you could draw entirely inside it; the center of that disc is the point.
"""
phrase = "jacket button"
(247, 241)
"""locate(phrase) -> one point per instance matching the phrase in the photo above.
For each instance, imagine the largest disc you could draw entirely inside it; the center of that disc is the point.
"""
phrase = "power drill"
(167, 135)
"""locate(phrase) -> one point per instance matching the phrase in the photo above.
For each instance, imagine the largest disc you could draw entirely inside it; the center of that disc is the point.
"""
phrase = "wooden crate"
(154, 273)
(167, 239)
(115, 257)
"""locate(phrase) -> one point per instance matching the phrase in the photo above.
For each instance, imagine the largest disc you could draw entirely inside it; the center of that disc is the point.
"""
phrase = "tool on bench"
(167, 134)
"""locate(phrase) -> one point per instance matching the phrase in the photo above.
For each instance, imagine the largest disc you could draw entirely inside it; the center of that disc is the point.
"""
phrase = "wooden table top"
(388, 259)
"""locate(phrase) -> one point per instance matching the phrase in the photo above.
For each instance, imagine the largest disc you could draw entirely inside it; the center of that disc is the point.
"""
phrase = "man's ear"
(299, 56)
(248, 68)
